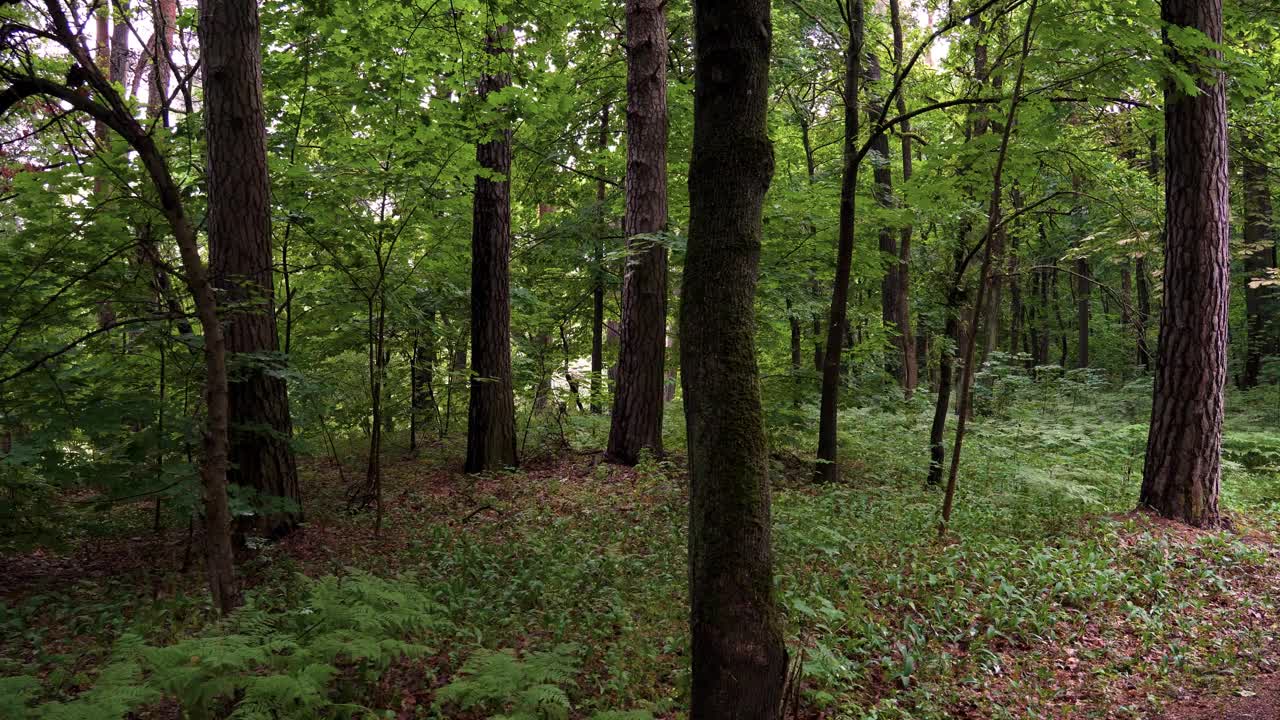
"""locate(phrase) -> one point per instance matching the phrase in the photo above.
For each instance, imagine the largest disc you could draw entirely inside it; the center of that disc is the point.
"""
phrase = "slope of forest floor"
(1051, 598)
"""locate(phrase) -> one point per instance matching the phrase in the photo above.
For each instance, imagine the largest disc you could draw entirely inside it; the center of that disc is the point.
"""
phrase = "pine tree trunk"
(1262, 309)
(491, 414)
(827, 468)
(240, 258)
(636, 423)
(739, 660)
(1183, 469)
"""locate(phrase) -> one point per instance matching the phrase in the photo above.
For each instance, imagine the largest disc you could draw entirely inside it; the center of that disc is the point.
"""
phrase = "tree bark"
(1262, 313)
(1083, 292)
(240, 258)
(1182, 472)
(491, 414)
(827, 469)
(636, 423)
(910, 366)
(739, 659)
(597, 289)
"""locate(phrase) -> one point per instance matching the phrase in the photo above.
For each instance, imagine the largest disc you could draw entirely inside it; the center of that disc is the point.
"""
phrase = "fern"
(262, 663)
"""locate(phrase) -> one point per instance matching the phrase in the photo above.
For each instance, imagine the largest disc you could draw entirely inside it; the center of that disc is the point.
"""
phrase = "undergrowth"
(566, 598)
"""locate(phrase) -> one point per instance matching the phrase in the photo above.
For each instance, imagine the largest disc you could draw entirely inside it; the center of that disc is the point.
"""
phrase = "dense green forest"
(734, 359)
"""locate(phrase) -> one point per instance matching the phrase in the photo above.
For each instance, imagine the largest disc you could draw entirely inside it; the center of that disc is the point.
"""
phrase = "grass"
(1051, 598)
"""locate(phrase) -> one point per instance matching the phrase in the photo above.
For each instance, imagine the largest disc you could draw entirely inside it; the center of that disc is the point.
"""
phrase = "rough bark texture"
(826, 469)
(491, 415)
(1261, 303)
(1182, 472)
(239, 226)
(739, 660)
(636, 422)
(882, 176)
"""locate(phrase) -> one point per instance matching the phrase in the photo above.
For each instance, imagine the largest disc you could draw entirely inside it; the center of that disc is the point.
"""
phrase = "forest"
(627, 359)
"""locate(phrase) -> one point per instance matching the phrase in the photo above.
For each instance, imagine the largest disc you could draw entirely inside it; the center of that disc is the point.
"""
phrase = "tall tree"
(597, 285)
(240, 259)
(1181, 476)
(826, 469)
(636, 422)
(1261, 301)
(739, 660)
(491, 415)
(902, 301)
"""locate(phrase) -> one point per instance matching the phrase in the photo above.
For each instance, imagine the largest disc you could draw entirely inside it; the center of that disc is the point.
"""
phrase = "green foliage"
(304, 659)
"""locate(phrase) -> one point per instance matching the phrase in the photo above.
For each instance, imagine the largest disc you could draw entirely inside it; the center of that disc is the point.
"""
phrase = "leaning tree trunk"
(491, 415)
(739, 660)
(827, 469)
(636, 423)
(1260, 301)
(1183, 468)
(239, 225)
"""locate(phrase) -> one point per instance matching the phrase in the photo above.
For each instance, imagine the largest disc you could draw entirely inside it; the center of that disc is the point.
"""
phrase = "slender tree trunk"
(1017, 314)
(902, 301)
(1183, 468)
(1083, 293)
(636, 423)
(240, 258)
(491, 414)
(597, 290)
(827, 468)
(946, 371)
(882, 176)
(1262, 313)
(739, 660)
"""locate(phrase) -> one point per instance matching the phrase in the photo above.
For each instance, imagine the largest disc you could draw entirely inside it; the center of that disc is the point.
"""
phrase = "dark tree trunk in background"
(491, 414)
(240, 258)
(882, 176)
(902, 301)
(1017, 314)
(597, 289)
(636, 422)
(1083, 291)
(1261, 306)
(1183, 467)
(827, 469)
(739, 659)
(797, 349)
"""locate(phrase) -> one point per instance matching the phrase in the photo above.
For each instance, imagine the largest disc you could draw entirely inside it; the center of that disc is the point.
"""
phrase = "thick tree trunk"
(827, 468)
(1261, 306)
(240, 259)
(636, 423)
(597, 289)
(739, 660)
(491, 414)
(1183, 468)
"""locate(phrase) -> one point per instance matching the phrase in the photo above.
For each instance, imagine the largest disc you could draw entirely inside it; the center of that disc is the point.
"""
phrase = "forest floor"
(1051, 599)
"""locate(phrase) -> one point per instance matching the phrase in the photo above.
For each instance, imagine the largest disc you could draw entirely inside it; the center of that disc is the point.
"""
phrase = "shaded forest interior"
(733, 359)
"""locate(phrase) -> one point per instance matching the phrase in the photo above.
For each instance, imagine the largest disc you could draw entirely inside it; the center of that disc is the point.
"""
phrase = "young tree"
(739, 660)
(240, 258)
(1183, 468)
(491, 415)
(636, 422)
